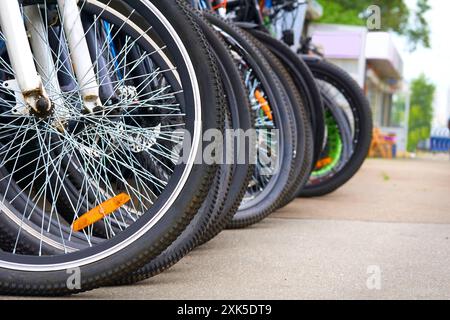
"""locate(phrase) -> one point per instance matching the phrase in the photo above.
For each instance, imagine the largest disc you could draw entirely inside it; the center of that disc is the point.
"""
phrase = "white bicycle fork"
(20, 52)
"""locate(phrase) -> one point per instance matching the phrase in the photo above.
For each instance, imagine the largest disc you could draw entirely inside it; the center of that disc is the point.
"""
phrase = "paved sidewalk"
(393, 219)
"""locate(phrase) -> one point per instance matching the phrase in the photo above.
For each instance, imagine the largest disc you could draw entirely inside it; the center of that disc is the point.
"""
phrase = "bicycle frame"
(45, 65)
(20, 54)
(255, 10)
(28, 78)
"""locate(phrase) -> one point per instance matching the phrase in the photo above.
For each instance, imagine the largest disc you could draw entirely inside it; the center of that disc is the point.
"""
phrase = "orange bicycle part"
(264, 104)
(223, 4)
(323, 162)
(262, 5)
(100, 212)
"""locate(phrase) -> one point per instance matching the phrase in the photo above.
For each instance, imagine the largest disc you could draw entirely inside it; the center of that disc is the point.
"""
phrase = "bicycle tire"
(347, 86)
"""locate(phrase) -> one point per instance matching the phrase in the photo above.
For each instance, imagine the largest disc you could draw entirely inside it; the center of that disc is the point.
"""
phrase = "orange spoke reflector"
(101, 211)
(264, 104)
(324, 162)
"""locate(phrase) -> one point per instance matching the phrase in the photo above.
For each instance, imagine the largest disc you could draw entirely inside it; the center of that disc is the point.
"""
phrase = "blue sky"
(434, 62)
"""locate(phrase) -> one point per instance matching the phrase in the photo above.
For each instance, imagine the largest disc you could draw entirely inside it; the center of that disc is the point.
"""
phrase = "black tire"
(153, 240)
(305, 83)
(241, 118)
(339, 79)
(304, 152)
(279, 100)
(220, 204)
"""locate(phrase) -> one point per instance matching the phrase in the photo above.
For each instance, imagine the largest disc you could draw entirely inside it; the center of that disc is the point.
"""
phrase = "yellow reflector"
(101, 211)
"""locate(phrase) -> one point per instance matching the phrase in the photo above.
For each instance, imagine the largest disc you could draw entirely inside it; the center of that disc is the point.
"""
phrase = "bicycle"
(95, 108)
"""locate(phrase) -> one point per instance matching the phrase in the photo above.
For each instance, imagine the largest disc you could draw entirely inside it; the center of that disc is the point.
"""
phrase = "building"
(370, 57)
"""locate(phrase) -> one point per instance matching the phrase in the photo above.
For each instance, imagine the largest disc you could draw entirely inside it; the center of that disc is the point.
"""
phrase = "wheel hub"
(43, 108)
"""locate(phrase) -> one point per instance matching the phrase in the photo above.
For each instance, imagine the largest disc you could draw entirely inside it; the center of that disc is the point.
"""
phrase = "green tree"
(395, 16)
(421, 115)
(398, 111)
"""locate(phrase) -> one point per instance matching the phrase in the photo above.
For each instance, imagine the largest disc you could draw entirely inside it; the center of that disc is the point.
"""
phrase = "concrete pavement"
(384, 235)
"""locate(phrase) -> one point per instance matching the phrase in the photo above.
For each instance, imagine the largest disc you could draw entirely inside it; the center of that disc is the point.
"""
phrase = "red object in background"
(223, 4)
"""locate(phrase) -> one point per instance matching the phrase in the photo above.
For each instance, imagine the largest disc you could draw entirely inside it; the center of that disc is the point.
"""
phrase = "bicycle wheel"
(348, 96)
(231, 178)
(132, 150)
(305, 147)
(305, 84)
(275, 128)
(338, 145)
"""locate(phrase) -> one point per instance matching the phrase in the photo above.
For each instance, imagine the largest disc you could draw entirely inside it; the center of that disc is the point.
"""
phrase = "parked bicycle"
(106, 106)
